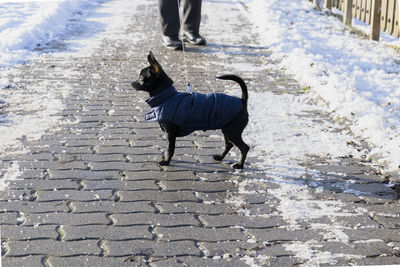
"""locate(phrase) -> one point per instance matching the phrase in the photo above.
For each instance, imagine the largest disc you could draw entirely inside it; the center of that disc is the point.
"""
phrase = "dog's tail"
(245, 94)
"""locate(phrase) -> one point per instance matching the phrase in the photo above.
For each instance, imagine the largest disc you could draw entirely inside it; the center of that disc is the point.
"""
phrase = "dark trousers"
(169, 16)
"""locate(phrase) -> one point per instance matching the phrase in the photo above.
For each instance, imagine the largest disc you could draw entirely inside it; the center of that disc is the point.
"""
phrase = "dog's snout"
(136, 85)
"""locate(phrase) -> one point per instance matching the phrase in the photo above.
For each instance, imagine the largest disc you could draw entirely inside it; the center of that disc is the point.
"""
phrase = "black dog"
(179, 114)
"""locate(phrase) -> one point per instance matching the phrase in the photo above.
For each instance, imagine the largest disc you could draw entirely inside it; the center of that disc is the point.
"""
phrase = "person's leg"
(191, 16)
(170, 24)
(191, 22)
(169, 17)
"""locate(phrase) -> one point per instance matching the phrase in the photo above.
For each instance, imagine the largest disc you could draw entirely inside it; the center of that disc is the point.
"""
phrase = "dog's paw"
(218, 157)
(237, 166)
(163, 163)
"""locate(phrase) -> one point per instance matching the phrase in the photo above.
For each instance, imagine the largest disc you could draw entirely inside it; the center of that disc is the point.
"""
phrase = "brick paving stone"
(88, 261)
(27, 261)
(105, 232)
(62, 149)
(20, 194)
(385, 209)
(157, 196)
(275, 235)
(83, 174)
(129, 150)
(126, 185)
(155, 219)
(379, 261)
(11, 218)
(389, 235)
(388, 222)
(198, 186)
(95, 142)
(240, 249)
(52, 247)
(218, 197)
(160, 175)
(199, 234)
(119, 166)
(74, 195)
(101, 158)
(195, 208)
(241, 221)
(111, 207)
(374, 249)
(196, 261)
(34, 206)
(44, 184)
(59, 218)
(216, 176)
(356, 222)
(150, 248)
(15, 232)
(266, 208)
(284, 261)
(53, 165)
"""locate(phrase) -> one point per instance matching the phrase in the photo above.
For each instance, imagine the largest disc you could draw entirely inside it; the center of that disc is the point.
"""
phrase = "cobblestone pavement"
(92, 194)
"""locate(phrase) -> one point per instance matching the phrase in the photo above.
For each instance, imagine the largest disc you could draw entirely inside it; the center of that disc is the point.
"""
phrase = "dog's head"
(152, 79)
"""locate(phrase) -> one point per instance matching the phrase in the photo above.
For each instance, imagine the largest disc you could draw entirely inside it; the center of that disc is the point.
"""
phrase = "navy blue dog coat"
(192, 112)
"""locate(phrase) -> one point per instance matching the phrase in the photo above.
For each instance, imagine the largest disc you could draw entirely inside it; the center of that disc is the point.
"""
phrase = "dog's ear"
(153, 63)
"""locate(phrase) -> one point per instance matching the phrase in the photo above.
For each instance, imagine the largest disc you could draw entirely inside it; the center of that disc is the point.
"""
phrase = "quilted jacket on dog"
(194, 111)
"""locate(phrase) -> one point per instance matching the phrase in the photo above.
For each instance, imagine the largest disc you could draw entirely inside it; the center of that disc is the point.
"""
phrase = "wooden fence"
(382, 15)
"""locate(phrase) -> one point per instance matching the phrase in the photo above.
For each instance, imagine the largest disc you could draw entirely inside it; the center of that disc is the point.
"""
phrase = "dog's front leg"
(171, 131)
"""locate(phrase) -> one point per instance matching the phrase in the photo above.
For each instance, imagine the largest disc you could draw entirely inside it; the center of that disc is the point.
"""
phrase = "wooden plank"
(368, 11)
(335, 3)
(376, 19)
(328, 4)
(358, 8)
(396, 19)
(390, 17)
(341, 5)
(348, 14)
(354, 9)
(363, 10)
(384, 14)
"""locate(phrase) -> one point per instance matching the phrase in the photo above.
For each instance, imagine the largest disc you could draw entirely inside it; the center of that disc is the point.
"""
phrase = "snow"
(358, 79)
(25, 25)
(12, 173)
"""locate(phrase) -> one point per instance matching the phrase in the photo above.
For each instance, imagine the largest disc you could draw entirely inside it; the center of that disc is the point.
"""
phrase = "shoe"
(193, 38)
(172, 43)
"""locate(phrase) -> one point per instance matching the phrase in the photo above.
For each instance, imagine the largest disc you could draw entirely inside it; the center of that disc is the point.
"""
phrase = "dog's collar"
(161, 97)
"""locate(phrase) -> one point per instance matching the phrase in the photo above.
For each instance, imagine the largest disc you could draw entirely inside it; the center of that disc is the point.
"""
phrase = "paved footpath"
(92, 194)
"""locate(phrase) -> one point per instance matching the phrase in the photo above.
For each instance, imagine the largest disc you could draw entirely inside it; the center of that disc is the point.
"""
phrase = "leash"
(188, 87)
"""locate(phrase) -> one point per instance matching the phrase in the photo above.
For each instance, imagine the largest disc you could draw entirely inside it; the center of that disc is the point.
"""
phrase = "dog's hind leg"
(236, 139)
(244, 149)
(228, 146)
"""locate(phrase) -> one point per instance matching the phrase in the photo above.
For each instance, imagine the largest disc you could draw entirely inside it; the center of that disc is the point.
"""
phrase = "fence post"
(328, 4)
(376, 20)
(348, 16)
(396, 21)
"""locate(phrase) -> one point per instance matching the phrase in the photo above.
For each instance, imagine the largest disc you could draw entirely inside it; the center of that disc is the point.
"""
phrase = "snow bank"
(24, 25)
(357, 79)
